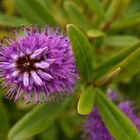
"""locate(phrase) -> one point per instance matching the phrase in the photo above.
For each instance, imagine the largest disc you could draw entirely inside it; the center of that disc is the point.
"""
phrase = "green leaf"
(50, 134)
(126, 21)
(37, 120)
(48, 4)
(34, 12)
(117, 123)
(86, 101)
(66, 127)
(95, 33)
(11, 21)
(83, 51)
(60, 16)
(113, 62)
(108, 78)
(115, 9)
(75, 16)
(129, 66)
(95, 6)
(4, 122)
(120, 40)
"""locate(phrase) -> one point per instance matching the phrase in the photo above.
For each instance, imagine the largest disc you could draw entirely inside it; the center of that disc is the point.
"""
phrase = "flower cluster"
(37, 63)
(95, 128)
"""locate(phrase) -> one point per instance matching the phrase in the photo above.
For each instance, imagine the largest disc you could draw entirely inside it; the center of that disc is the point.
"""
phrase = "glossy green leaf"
(113, 62)
(83, 51)
(37, 120)
(120, 40)
(96, 7)
(95, 33)
(4, 122)
(11, 21)
(117, 123)
(34, 12)
(126, 21)
(75, 16)
(86, 101)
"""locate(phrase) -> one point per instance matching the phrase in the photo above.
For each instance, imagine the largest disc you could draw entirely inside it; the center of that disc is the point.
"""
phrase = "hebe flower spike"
(37, 62)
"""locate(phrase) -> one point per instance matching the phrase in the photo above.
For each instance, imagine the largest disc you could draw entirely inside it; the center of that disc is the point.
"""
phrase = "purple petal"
(26, 79)
(44, 75)
(42, 65)
(36, 78)
(19, 92)
(38, 52)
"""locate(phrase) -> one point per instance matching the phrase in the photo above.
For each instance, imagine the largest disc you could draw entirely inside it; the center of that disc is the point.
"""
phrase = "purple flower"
(112, 95)
(95, 128)
(37, 63)
(128, 109)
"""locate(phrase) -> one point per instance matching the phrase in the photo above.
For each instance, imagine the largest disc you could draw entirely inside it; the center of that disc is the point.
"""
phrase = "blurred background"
(110, 26)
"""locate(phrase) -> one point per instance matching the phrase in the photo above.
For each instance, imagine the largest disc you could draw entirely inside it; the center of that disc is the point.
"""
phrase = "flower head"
(38, 63)
(95, 128)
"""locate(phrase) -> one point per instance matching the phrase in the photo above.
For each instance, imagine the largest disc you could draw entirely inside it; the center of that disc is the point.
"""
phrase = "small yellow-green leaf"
(86, 101)
(95, 33)
(120, 40)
